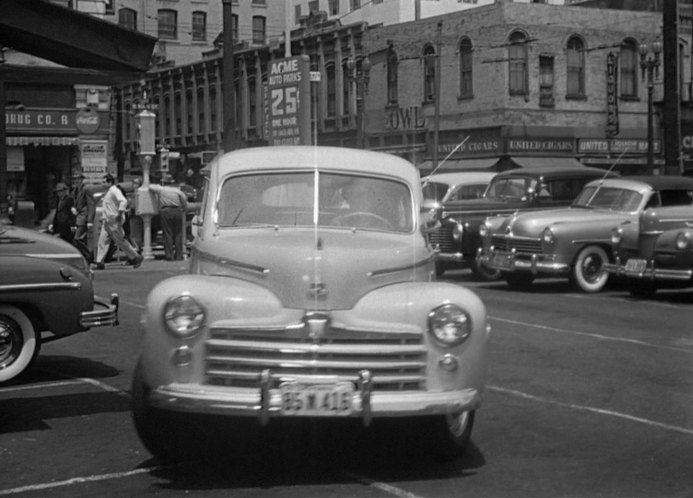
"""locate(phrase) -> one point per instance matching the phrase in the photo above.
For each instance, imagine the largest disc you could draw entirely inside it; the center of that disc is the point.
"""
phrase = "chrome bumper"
(513, 261)
(450, 257)
(107, 315)
(265, 403)
(649, 273)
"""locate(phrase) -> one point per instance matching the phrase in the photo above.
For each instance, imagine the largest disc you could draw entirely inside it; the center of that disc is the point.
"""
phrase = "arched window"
(127, 18)
(575, 85)
(466, 89)
(517, 64)
(392, 78)
(429, 83)
(628, 65)
(168, 24)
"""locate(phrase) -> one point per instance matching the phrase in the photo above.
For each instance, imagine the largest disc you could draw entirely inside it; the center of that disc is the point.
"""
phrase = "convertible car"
(46, 294)
(576, 242)
(311, 297)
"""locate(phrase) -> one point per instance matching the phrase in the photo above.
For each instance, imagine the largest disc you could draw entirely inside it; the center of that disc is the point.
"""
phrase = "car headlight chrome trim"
(449, 324)
(683, 240)
(548, 237)
(183, 316)
(616, 236)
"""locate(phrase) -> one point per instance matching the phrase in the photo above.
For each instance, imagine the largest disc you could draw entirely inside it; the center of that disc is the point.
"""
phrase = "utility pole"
(229, 71)
(671, 119)
(436, 117)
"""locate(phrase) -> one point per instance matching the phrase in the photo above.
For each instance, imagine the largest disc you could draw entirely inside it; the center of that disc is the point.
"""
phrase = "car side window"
(676, 197)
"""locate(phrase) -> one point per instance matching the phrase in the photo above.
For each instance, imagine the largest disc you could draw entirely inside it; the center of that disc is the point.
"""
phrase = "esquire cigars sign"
(288, 102)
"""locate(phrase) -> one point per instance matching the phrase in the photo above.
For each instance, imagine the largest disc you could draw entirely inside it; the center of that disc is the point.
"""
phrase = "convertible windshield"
(510, 188)
(290, 199)
(612, 198)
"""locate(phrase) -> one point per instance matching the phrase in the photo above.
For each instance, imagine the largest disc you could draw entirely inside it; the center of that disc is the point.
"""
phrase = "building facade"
(519, 84)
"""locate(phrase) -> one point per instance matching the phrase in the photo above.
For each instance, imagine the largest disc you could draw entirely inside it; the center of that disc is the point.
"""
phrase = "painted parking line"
(600, 411)
(592, 335)
(76, 480)
(42, 385)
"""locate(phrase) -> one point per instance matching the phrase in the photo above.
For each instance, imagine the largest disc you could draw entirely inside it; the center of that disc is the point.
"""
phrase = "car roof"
(553, 172)
(454, 178)
(328, 158)
(657, 182)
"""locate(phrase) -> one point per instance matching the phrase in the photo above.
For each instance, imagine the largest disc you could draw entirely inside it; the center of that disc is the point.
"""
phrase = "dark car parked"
(46, 293)
(521, 189)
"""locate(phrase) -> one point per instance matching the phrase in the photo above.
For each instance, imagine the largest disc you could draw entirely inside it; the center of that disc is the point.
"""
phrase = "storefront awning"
(556, 162)
(482, 163)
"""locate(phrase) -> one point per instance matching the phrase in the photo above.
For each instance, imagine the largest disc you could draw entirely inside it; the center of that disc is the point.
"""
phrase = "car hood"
(331, 270)
(18, 240)
(533, 224)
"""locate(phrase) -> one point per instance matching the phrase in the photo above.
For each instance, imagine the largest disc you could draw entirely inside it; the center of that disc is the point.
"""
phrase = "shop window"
(517, 64)
(628, 65)
(429, 83)
(575, 85)
(465, 50)
(199, 26)
(168, 24)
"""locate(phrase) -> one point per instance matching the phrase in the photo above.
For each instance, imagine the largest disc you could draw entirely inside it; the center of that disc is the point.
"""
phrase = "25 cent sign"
(288, 101)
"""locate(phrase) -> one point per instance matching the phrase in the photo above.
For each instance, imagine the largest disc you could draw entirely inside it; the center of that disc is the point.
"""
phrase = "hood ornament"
(317, 289)
(317, 323)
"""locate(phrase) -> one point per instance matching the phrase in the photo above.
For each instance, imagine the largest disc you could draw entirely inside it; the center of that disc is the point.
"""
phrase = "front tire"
(588, 271)
(19, 342)
(452, 434)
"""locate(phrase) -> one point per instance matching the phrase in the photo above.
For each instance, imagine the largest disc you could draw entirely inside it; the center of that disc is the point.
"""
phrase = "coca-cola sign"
(87, 120)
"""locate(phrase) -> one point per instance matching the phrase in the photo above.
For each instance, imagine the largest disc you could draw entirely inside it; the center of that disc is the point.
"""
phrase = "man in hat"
(85, 209)
(64, 217)
(114, 205)
(172, 207)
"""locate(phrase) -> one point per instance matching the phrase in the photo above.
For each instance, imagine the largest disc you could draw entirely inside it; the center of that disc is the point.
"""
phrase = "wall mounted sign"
(612, 127)
(55, 121)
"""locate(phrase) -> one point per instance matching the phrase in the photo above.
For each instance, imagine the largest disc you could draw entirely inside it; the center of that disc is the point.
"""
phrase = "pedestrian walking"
(64, 217)
(85, 209)
(114, 206)
(172, 207)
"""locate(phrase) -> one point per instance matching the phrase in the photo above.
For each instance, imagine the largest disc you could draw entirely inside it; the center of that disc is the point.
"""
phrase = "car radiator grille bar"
(442, 237)
(518, 244)
(236, 357)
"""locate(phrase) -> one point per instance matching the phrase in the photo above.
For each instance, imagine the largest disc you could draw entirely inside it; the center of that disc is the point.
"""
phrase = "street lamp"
(359, 74)
(649, 64)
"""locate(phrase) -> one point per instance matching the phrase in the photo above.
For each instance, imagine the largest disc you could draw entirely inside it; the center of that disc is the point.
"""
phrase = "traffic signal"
(146, 132)
(164, 156)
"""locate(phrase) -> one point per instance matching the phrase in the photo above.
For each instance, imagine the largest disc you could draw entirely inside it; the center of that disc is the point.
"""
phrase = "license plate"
(501, 261)
(322, 400)
(636, 265)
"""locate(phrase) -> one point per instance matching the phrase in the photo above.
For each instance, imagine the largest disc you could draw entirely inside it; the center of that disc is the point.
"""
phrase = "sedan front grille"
(442, 238)
(236, 357)
(523, 245)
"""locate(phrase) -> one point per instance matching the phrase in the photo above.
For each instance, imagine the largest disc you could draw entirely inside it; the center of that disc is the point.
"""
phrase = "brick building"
(520, 83)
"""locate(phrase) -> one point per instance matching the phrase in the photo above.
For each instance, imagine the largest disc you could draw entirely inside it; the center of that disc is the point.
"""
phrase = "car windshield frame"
(314, 198)
(609, 198)
(511, 188)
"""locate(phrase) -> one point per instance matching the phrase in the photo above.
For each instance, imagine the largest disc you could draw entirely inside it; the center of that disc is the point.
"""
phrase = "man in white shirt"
(114, 205)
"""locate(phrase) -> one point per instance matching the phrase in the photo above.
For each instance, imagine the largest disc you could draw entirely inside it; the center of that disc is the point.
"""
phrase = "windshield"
(288, 199)
(510, 188)
(611, 198)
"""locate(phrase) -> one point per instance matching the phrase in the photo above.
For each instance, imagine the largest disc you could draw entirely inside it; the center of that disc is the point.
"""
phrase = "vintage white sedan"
(311, 296)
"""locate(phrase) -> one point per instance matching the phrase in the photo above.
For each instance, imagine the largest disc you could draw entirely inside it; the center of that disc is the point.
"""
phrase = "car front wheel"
(19, 342)
(452, 434)
(588, 271)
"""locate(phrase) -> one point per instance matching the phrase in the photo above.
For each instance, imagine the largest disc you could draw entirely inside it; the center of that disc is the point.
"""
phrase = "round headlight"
(683, 241)
(616, 236)
(483, 230)
(547, 236)
(457, 231)
(449, 324)
(183, 316)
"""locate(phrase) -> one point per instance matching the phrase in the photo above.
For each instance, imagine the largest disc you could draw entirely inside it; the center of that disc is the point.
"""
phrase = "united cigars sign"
(288, 102)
